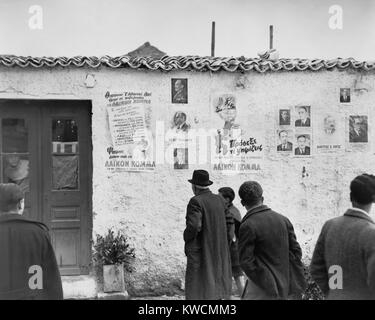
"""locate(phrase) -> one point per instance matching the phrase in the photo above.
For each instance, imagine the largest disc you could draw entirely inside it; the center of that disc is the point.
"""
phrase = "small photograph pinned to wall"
(303, 145)
(345, 95)
(181, 158)
(284, 117)
(284, 144)
(179, 90)
(180, 123)
(358, 129)
(303, 116)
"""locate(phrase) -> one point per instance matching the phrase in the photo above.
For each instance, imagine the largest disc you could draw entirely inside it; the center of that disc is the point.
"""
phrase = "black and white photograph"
(285, 139)
(179, 90)
(284, 117)
(303, 145)
(214, 151)
(345, 95)
(179, 122)
(303, 116)
(358, 129)
(181, 158)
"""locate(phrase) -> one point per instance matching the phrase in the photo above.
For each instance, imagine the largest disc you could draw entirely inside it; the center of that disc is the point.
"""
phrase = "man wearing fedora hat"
(28, 267)
(209, 229)
(343, 263)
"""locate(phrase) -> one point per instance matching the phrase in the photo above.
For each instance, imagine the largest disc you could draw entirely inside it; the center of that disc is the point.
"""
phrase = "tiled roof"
(197, 63)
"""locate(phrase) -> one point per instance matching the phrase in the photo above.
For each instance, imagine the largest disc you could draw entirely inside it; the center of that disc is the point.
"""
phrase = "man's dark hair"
(362, 189)
(301, 136)
(10, 195)
(302, 108)
(281, 131)
(250, 193)
(227, 192)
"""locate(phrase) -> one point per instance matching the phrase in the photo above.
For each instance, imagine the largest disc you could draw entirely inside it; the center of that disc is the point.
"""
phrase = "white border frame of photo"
(308, 140)
(291, 134)
(358, 146)
(338, 96)
(303, 130)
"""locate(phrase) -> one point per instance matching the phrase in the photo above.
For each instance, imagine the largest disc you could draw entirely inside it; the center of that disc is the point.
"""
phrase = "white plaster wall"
(150, 207)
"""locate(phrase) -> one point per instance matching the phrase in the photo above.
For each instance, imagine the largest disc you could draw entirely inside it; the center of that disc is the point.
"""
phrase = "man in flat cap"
(28, 268)
(209, 230)
(343, 263)
(269, 252)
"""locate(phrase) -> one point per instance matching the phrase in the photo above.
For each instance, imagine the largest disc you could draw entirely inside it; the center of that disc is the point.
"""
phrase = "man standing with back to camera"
(28, 268)
(270, 255)
(345, 249)
(209, 230)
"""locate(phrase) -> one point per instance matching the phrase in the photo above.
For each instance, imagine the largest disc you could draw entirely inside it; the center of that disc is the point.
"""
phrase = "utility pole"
(213, 39)
(271, 37)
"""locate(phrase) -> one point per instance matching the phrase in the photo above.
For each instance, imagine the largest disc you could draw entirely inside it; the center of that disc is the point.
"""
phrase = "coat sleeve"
(370, 261)
(51, 275)
(246, 245)
(294, 246)
(193, 220)
(318, 267)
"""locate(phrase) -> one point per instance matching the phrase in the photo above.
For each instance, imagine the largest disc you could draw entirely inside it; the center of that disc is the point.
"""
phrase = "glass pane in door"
(14, 153)
(65, 155)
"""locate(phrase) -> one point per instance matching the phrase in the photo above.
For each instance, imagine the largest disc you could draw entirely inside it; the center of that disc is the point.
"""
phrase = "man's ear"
(20, 204)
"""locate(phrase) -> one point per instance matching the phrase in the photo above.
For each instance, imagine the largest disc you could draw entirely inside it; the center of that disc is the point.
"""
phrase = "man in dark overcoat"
(343, 263)
(209, 230)
(28, 268)
(269, 252)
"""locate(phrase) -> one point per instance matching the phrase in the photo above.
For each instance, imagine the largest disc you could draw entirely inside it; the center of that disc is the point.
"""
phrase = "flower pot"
(113, 276)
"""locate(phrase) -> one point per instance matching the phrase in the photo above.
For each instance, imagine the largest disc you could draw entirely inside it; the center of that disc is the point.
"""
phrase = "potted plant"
(113, 252)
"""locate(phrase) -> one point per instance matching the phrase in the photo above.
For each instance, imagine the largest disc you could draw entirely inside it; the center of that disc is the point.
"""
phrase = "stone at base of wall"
(79, 287)
(113, 296)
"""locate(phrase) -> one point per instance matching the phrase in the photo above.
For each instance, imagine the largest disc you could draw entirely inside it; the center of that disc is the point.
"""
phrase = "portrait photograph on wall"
(303, 116)
(179, 91)
(358, 129)
(284, 117)
(179, 122)
(284, 141)
(303, 145)
(345, 95)
(181, 158)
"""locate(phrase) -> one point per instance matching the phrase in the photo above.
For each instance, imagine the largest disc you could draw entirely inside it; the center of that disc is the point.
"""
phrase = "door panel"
(51, 141)
(65, 186)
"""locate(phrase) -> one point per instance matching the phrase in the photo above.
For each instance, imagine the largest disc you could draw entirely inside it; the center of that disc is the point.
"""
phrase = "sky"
(115, 27)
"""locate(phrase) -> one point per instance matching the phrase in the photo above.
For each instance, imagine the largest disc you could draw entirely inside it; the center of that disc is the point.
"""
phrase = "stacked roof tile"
(197, 63)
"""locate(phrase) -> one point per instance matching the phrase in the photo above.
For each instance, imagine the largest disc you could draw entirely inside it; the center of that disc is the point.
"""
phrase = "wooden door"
(66, 158)
(49, 143)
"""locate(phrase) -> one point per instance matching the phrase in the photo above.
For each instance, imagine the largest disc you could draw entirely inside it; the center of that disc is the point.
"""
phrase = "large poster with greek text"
(132, 138)
(238, 141)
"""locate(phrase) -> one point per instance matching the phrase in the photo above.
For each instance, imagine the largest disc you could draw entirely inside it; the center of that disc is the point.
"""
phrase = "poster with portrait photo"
(181, 158)
(284, 141)
(302, 116)
(302, 146)
(180, 122)
(345, 96)
(329, 133)
(179, 90)
(284, 117)
(358, 132)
